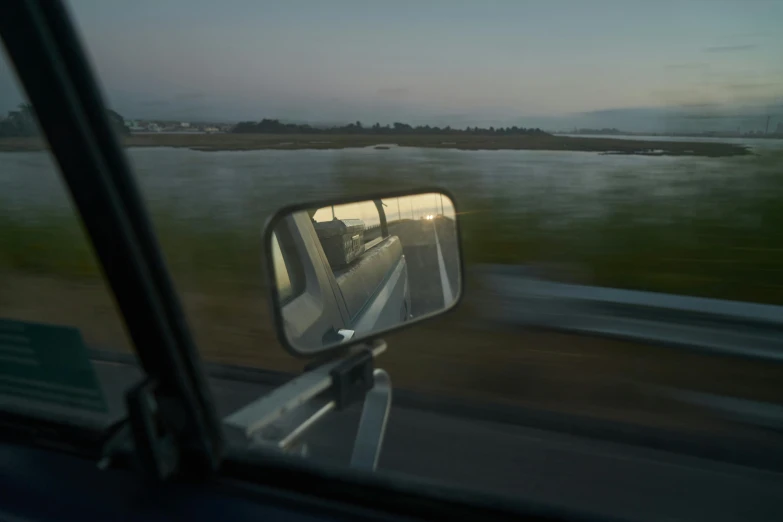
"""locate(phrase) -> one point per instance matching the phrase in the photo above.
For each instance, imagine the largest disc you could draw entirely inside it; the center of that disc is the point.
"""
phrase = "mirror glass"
(348, 271)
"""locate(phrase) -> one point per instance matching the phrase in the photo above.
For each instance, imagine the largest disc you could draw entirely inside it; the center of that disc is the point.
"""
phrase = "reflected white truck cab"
(323, 304)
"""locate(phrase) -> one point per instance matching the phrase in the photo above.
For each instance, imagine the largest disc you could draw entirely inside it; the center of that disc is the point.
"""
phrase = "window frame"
(42, 44)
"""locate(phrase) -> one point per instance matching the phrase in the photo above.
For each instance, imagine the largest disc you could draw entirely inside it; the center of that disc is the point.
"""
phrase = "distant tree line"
(267, 126)
(605, 130)
(22, 122)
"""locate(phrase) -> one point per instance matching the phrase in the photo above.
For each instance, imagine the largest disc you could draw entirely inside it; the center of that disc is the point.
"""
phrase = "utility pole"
(399, 214)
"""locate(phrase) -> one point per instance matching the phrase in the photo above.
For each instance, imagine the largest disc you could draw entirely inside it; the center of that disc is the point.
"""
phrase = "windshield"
(60, 332)
(617, 172)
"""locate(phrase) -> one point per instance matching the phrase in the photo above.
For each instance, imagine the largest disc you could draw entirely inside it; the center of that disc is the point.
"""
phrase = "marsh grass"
(720, 237)
(724, 240)
(230, 141)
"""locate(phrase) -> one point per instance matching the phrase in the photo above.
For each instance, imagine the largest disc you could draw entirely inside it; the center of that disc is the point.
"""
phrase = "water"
(245, 187)
(753, 143)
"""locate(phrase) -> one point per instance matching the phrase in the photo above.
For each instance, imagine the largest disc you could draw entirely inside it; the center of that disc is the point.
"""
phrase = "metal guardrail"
(748, 330)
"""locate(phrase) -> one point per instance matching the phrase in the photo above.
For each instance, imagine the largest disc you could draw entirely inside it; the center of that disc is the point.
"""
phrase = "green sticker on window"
(48, 363)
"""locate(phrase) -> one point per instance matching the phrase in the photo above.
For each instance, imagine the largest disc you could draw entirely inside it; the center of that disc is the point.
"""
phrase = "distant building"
(184, 124)
(134, 126)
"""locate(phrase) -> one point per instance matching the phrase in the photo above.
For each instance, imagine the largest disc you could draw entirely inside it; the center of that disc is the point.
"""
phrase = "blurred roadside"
(458, 356)
(707, 228)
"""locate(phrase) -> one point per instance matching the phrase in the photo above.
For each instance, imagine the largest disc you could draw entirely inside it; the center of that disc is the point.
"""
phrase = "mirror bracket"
(372, 425)
(352, 379)
(280, 419)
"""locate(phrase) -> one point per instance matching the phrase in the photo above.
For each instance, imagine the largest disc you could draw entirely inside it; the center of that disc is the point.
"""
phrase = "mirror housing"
(344, 271)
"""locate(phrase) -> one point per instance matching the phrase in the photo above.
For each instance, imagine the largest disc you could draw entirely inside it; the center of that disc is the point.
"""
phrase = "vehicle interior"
(167, 426)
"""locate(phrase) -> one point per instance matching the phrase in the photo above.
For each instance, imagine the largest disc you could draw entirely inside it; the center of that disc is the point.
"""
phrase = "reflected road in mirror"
(432, 256)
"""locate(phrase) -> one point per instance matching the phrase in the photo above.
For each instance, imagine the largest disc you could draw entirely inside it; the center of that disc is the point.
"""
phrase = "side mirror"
(344, 271)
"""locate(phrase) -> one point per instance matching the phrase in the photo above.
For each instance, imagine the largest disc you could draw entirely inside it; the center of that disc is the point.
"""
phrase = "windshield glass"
(60, 332)
(616, 169)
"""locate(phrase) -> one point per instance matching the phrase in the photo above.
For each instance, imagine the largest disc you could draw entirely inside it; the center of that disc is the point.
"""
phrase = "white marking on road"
(448, 296)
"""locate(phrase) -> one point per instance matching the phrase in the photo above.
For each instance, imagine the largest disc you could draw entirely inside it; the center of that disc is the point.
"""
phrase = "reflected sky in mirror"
(417, 206)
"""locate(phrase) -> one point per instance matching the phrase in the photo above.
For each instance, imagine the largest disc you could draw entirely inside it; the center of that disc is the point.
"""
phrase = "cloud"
(154, 103)
(690, 66)
(394, 92)
(754, 86)
(713, 116)
(190, 95)
(730, 48)
(753, 34)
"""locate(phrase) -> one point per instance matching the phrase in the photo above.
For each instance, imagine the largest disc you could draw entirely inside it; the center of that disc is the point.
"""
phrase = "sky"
(427, 61)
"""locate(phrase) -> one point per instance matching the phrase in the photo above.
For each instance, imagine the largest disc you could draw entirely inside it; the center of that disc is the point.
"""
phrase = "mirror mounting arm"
(344, 382)
(372, 424)
(352, 379)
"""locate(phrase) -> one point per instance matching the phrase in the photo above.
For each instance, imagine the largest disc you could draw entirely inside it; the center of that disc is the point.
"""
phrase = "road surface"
(432, 255)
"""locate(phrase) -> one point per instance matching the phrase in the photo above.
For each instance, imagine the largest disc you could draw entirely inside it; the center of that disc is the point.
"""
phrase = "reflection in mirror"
(345, 272)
